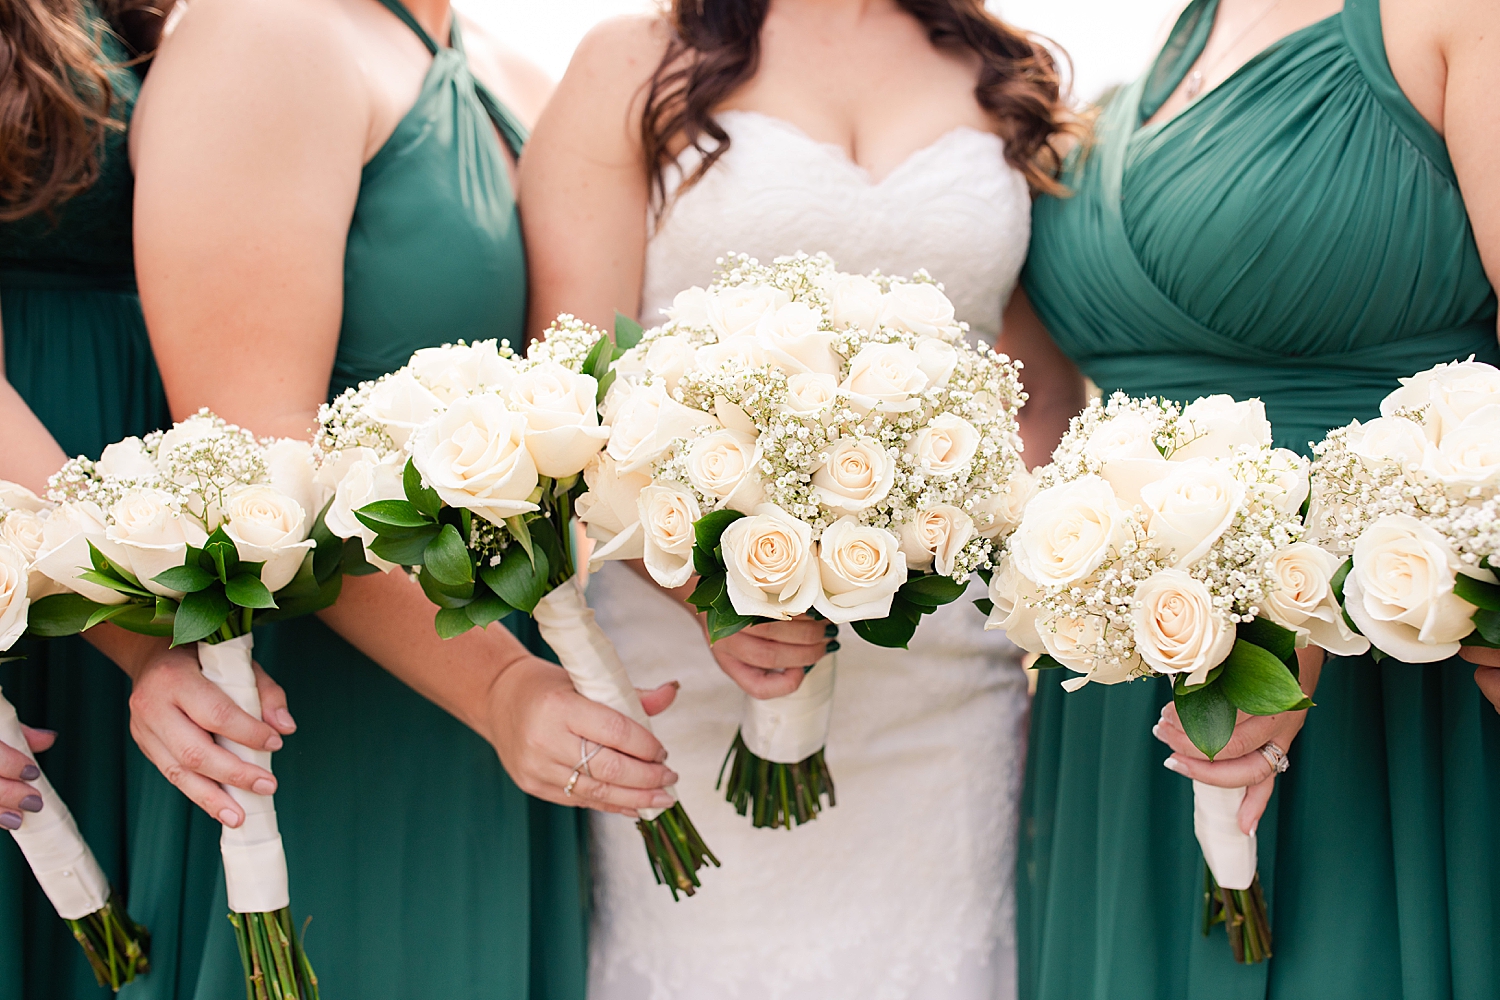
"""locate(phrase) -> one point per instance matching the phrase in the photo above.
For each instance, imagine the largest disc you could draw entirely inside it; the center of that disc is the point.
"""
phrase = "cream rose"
(920, 308)
(17, 497)
(854, 301)
(861, 569)
(126, 459)
(1292, 482)
(1125, 446)
(1393, 440)
(292, 470)
(1073, 642)
(400, 404)
(562, 418)
(24, 529)
(475, 457)
(454, 371)
(794, 343)
(14, 596)
(885, 377)
(1000, 512)
(1469, 454)
(643, 424)
(267, 526)
(1303, 600)
(811, 392)
(609, 512)
(66, 535)
(732, 353)
(1190, 508)
(945, 446)
(737, 311)
(1400, 591)
(153, 535)
(1013, 610)
(1215, 426)
(1176, 628)
(933, 538)
(667, 512)
(1450, 391)
(1067, 530)
(937, 359)
(724, 465)
(771, 564)
(668, 359)
(366, 479)
(194, 428)
(856, 473)
(691, 308)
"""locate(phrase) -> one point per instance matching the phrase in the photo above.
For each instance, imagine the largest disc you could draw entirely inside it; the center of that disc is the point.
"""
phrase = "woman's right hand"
(174, 714)
(16, 769)
(769, 660)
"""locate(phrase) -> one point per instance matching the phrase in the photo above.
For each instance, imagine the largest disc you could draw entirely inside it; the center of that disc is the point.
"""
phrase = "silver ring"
(1276, 757)
(586, 755)
(573, 780)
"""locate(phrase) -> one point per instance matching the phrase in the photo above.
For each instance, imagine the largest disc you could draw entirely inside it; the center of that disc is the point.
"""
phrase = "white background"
(1109, 40)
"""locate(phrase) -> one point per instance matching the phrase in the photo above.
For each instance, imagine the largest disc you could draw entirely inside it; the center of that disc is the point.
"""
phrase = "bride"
(890, 134)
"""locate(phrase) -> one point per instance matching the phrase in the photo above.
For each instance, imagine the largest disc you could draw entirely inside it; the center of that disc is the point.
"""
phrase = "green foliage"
(223, 560)
(246, 591)
(1477, 592)
(405, 548)
(1258, 683)
(932, 591)
(486, 608)
(709, 528)
(447, 559)
(985, 605)
(200, 615)
(1207, 717)
(517, 581)
(628, 332)
(424, 499)
(893, 631)
(186, 579)
(450, 622)
(58, 615)
(1046, 662)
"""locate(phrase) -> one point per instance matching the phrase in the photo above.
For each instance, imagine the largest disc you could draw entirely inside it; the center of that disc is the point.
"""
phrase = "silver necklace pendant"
(1194, 85)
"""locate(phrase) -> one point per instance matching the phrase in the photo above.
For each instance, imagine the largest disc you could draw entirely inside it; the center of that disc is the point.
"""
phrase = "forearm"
(130, 651)
(29, 454)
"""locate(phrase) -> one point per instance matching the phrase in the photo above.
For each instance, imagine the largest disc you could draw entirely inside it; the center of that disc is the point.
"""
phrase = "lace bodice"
(954, 207)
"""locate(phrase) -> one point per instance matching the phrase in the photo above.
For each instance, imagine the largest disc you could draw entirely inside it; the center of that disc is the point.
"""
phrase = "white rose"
(643, 424)
(14, 596)
(457, 370)
(1469, 453)
(153, 535)
(856, 473)
(1394, 440)
(920, 308)
(810, 392)
(194, 428)
(669, 358)
(885, 377)
(1190, 507)
(937, 359)
(667, 512)
(292, 470)
(1292, 482)
(475, 457)
(690, 308)
(724, 465)
(1012, 597)
(794, 343)
(934, 538)
(1176, 628)
(17, 497)
(24, 530)
(126, 459)
(1125, 446)
(1000, 512)
(1450, 391)
(861, 569)
(66, 535)
(400, 404)
(562, 418)
(365, 480)
(1303, 600)
(733, 353)
(854, 300)
(1067, 530)
(1218, 425)
(267, 526)
(737, 311)
(771, 566)
(945, 446)
(1073, 642)
(1400, 591)
(609, 512)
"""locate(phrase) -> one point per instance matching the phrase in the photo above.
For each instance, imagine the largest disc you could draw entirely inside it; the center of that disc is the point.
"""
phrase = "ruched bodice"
(1296, 234)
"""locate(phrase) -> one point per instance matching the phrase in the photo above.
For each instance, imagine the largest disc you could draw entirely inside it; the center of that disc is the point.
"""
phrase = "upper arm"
(523, 85)
(1054, 387)
(584, 190)
(249, 140)
(1471, 118)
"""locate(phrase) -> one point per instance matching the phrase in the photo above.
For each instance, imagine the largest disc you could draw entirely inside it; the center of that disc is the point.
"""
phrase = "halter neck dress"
(425, 871)
(1296, 234)
(77, 353)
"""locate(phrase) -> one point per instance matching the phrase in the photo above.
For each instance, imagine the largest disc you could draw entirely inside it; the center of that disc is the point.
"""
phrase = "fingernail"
(11, 821)
(274, 743)
(830, 630)
(45, 732)
(229, 817)
(263, 786)
(661, 800)
(1174, 765)
(1254, 828)
(30, 772)
(284, 719)
(673, 778)
(676, 685)
(1156, 731)
(661, 758)
(832, 647)
(32, 803)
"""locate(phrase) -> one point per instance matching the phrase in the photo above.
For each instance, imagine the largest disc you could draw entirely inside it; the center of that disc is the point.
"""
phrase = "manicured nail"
(30, 772)
(11, 821)
(830, 630)
(1174, 765)
(673, 777)
(661, 756)
(229, 817)
(284, 720)
(1254, 828)
(274, 743)
(32, 803)
(661, 800)
(44, 732)
(832, 647)
(1156, 731)
(263, 786)
(676, 685)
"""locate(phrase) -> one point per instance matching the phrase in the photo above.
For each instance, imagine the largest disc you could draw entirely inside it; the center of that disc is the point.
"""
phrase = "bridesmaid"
(326, 186)
(1302, 203)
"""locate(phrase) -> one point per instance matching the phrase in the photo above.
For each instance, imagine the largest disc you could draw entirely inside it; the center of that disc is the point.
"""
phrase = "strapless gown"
(904, 889)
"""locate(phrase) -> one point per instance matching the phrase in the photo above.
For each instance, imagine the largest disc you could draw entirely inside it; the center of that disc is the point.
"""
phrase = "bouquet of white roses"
(1165, 540)
(464, 466)
(1411, 502)
(806, 441)
(199, 533)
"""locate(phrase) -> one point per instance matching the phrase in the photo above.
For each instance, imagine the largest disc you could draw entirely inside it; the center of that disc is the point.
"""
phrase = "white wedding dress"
(904, 890)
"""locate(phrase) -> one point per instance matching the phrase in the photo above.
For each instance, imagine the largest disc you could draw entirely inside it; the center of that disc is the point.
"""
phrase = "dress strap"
(399, 9)
(1186, 43)
(514, 133)
(1366, 37)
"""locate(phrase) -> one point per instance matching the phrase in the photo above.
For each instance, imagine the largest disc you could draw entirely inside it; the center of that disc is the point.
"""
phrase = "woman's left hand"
(1487, 673)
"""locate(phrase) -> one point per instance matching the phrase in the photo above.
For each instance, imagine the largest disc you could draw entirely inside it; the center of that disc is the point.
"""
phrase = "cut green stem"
(676, 850)
(775, 795)
(276, 967)
(1243, 914)
(117, 948)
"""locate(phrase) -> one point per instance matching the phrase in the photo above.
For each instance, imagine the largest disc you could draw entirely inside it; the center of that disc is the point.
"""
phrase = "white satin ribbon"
(55, 850)
(1229, 852)
(790, 729)
(254, 859)
(566, 621)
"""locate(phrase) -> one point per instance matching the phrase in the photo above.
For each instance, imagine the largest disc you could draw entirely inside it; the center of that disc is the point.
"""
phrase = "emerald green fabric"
(425, 871)
(1298, 235)
(76, 351)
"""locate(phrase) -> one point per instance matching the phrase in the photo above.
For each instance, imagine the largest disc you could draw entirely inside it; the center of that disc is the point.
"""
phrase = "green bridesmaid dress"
(426, 872)
(1296, 234)
(76, 350)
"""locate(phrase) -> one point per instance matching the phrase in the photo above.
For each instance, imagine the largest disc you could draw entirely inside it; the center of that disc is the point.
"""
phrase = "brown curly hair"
(715, 48)
(56, 102)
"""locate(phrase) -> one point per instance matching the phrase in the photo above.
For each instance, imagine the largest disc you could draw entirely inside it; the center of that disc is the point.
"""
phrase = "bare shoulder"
(618, 57)
(523, 85)
(1434, 44)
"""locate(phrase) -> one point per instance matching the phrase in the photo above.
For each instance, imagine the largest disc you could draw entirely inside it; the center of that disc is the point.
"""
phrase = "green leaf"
(200, 615)
(383, 515)
(1477, 592)
(112, 582)
(1336, 583)
(328, 548)
(893, 632)
(165, 610)
(142, 618)
(628, 332)
(710, 527)
(1487, 624)
(704, 562)
(487, 608)
(985, 605)
(99, 560)
(442, 594)
(1047, 662)
(901, 607)
(1258, 683)
(352, 561)
(516, 581)
(1207, 717)
(103, 564)
(710, 590)
(451, 622)
(104, 613)
(246, 591)
(188, 579)
(447, 558)
(60, 614)
(406, 550)
(597, 362)
(723, 624)
(932, 590)
(604, 384)
(424, 499)
(1186, 688)
(295, 600)
(522, 534)
(223, 559)
(544, 534)
(1279, 642)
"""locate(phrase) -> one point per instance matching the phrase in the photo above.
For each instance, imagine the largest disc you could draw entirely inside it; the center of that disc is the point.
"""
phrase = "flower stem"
(1243, 914)
(276, 967)
(676, 850)
(117, 948)
(775, 795)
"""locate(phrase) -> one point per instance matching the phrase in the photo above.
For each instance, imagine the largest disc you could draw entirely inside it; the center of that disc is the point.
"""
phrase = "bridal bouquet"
(1411, 502)
(464, 467)
(806, 441)
(200, 533)
(1166, 540)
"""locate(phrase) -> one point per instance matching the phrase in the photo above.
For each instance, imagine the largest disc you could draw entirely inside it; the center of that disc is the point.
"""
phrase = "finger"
(660, 699)
(1170, 733)
(213, 710)
(771, 655)
(39, 739)
(1488, 679)
(1226, 772)
(600, 724)
(1480, 655)
(16, 765)
(17, 796)
(194, 750)
(761, 684)
(205, 794)
(1254, 806)
(593, 792)
(617, 769)
(797, 632)
(273, 704)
